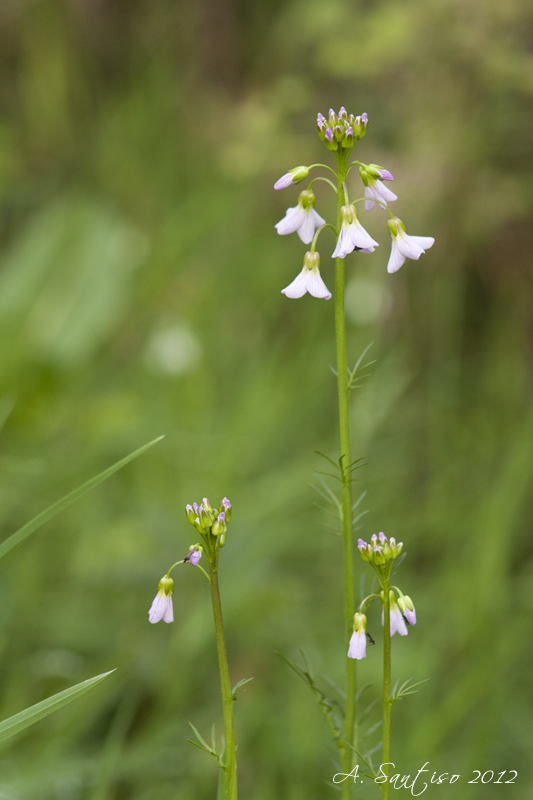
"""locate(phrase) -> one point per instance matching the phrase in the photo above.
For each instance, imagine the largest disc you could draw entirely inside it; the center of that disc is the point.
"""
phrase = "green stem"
(225, 685)
(386, 689)
(350, 728)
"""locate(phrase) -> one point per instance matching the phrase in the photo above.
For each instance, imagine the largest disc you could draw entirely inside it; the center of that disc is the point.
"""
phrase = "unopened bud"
(195, 554)
(222, 540)
(219, 525)
(190, 513)
(342, 113)
(348, 137)
(225, 506)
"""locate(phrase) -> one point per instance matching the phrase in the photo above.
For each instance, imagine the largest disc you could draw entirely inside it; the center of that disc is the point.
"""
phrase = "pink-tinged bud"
(361, 543)
(329, 135)
(407, 608)
(320, 118)
(374, 539)
(385, 175)
(382, 538)
(364, 118)
(219, 525)
(206, 504)
(225, 506)
(292, 177)
(342, 113)
(194, 556)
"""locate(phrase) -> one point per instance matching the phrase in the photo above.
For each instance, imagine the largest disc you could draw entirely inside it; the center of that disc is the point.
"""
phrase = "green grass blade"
(9, 727)
(30, 527)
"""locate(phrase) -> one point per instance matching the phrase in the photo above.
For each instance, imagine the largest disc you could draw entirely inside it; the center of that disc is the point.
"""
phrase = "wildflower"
(302, 219)
(352, 236)
(373, 176)
(291, 178)
(407, 608)
(308, 280)
(397, 623)
(161, 608)
(404, 246)
(357, 648)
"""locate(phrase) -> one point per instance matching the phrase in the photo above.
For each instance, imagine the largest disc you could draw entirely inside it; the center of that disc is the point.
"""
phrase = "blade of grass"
(30, 527)
(12, 725)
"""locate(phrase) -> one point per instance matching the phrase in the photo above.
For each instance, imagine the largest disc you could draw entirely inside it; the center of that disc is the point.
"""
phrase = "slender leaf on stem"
(326, 705)
(9, 727)
(202, 744)
(237, 689)
(30, 527)
(406, 688)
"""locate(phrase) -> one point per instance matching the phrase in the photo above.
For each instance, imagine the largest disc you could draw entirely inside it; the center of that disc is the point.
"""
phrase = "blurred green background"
(140, 280)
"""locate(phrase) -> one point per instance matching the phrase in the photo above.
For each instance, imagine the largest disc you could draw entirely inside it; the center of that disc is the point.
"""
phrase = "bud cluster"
(380, 550)
(342, 129)
(209, 521)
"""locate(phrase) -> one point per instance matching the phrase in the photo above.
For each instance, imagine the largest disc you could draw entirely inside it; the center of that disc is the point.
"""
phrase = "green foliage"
(15, 724)
(140, 282)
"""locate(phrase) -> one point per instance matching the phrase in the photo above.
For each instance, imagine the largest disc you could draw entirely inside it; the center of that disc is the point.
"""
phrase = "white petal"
(168, 615)
(317, 219)
(369, 204)
(344, 243)
(383, 193)
(158, 609)
(362, 238)
(316, 286)
(397, 259)
(357, 647)
(298, 287)
(306, 231)
(425, 242)
(284, 182)
(293, 219)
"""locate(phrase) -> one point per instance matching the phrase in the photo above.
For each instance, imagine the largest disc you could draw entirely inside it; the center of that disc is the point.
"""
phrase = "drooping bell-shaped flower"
(302, 219)
(357, 648)
(404, 246)
(373, 176)
(397, 622)
(292, 177)
(352, 236)
(161, 608)
(407, 608)
(308, 280)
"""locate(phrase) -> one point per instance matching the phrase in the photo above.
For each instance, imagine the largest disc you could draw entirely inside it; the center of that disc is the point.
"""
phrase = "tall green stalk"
(225, 685)
(350, 725)
(386, 688)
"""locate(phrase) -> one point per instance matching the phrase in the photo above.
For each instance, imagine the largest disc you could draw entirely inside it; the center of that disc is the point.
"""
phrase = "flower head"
(308, 280)
(352, 236)
(380, 550)
(342, 129)
(161, 608)
(302, 219)
(397, 622)
(404, 246)
(407, 608)
(291, 178)
(357, 648)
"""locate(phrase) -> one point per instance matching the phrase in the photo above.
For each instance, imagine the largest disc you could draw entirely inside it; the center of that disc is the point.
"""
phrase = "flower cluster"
(340, 132)
(380, 551)
(211, 524)
(342, 129)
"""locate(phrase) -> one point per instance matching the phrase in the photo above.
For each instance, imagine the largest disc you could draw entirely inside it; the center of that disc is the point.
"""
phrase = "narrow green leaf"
(9, 727)
(201, 739)
(30, 527)
(237, 689)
